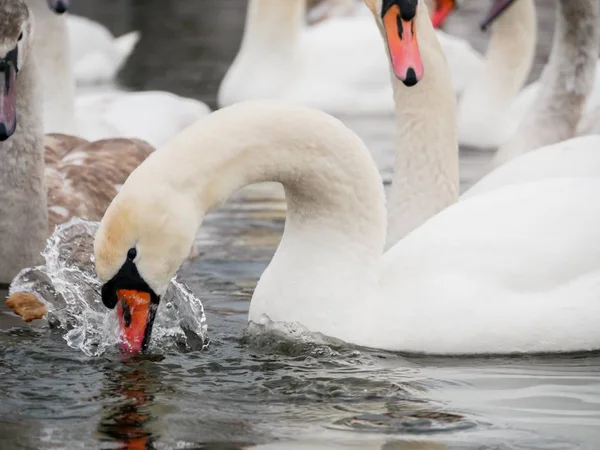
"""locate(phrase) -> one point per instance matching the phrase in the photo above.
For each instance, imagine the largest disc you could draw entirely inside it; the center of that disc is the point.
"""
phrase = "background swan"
(502, 272)
(488, 111)
(337, 65)
(568, 85)
(45, 182)
(153, 116)
(97, 54)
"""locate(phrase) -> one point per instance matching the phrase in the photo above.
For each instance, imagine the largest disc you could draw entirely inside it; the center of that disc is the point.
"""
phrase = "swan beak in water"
(136, 305)
(8, 95)
(399, 22)
(498, 7)
(443, 8)
(59, 6)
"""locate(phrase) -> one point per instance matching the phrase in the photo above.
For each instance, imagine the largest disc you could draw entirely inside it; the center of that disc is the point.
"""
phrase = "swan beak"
(443, 8)
(8, 95)
(498, 7)
(401, 35)
(136, 313)
(59, 6)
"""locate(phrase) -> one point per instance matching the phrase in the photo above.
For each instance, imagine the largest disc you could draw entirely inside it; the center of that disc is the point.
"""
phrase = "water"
(265, 391)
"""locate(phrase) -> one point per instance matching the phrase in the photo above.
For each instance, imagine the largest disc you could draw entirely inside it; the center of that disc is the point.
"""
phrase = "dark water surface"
(267, 392)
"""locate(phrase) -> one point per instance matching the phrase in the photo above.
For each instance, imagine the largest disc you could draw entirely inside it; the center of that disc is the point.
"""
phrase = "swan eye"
(131, 254)
(20, 36)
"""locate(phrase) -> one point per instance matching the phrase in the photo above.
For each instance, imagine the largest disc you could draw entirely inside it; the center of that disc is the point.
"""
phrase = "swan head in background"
(443, 8)
(495, 11)
(135, 260)
(17, 30)
(59, 6)
(397, 21)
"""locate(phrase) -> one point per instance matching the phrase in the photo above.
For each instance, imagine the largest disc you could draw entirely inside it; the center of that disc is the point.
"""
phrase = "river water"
(267, 392)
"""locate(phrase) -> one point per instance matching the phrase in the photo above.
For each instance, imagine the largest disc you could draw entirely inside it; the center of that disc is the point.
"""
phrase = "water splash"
(67, 284)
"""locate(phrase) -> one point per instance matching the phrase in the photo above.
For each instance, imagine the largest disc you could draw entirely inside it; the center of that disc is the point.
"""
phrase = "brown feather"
(83, 177)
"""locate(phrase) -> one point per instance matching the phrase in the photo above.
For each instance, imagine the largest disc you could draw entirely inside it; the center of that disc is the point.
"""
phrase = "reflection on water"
(128, 419)
(266, 393)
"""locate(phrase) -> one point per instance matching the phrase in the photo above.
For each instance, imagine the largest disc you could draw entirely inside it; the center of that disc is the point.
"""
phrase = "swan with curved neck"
(41, 182)
(502, 272)
(565, 84)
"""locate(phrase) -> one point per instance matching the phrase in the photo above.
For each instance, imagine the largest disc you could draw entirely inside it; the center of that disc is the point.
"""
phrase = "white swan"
(154, 116)
(569, 85)
(337, 65)
(489, 111)
(97, 54)
(512, 270)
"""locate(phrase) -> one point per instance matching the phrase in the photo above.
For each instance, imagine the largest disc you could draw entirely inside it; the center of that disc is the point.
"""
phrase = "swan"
(154, 116)
(98, 56)
(44, 182)
(336, 65)
(489, 110)
(512, 270)
(568, 86)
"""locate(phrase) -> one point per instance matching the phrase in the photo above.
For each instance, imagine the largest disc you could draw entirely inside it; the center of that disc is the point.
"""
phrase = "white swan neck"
(52, 52)
(425, 178)
(507, 63)
(23, 202)
(268, 57)
(565, 83)
(273, 25)
(327, 172)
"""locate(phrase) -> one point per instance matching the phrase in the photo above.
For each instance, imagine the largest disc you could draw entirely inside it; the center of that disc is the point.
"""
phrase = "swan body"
(97, 55)
(108, 114)
(574, 158)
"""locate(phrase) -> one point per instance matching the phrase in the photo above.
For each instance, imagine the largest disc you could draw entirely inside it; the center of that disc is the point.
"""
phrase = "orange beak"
(443, 9)
(401, 37)
(136, 315)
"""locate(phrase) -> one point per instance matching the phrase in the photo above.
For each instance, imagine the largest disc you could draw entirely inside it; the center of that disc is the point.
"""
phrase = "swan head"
(495, 11)
(145, 235)
(397, 21)
(59, 6)
(443, 8)
(16, 29)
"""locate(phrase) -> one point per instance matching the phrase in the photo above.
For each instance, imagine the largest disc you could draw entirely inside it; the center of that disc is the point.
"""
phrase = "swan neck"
(52, 52)
(23, 202)
(511, 51)
(333, 189)
(273, 25)
(425, 178)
